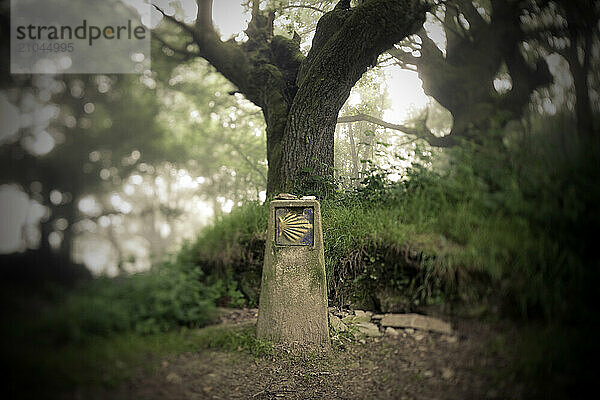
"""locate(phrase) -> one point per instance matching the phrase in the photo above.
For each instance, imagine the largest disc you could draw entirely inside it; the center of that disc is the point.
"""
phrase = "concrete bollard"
(293, 296)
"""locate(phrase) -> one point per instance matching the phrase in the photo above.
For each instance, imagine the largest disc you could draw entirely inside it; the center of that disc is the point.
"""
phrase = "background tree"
(484, 42)
(79, 140)
(224, 133)
(355, 143)
(570, 29)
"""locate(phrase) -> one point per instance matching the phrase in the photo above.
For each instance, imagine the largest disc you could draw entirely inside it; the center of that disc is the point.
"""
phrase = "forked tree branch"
(227, 57)
(177, 22)
(425, 134)
(305, 7)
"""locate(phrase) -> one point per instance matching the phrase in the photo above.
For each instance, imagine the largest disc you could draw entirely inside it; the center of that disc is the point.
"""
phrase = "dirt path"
(413, 365)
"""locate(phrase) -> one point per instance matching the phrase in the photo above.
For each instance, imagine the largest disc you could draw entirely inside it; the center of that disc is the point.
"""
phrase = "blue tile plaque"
(294, 226)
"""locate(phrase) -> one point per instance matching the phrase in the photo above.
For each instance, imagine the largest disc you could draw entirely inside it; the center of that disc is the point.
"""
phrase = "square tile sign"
(294, 226)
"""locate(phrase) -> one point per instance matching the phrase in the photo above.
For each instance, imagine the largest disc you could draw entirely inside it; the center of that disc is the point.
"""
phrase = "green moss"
(269, 273)
(287, 52)
(317, 273)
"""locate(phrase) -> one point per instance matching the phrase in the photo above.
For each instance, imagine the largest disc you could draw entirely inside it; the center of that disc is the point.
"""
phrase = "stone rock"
(355, 319)
(389, 331)
(451, 338)
(377, 316)
(293, 293)
(447, 373)
(410, 331)
(286, 196)
(428, 374)
(416, 321)
(419, 336)
(363, 314)
(337, 324)
(391, 301)
(174, 378)
(369, 329)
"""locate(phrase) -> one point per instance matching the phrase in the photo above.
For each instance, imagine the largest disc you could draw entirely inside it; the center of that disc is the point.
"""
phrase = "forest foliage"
(499, 223)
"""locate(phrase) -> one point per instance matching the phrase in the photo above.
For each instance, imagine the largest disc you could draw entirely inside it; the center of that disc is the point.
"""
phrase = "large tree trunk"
(301, 96)
(308, 143)
(346, 43)
(275, 130)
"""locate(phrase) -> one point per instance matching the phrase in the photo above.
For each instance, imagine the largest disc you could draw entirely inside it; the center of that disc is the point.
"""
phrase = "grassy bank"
(507, 229)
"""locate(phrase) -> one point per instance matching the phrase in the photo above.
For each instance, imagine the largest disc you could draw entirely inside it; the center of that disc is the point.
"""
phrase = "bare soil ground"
(413, 365)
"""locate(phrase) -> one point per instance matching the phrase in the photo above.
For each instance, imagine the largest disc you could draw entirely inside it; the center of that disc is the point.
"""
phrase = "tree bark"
(301, 96)
(346, 43)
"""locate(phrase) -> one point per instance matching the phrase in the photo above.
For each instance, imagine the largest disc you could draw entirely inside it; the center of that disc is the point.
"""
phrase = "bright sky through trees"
(403, 87)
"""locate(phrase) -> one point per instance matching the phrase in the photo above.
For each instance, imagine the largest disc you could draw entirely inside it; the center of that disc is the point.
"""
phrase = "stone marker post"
(293, 295)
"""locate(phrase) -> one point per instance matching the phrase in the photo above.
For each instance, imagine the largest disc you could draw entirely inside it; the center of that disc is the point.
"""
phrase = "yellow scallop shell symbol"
(293, 227)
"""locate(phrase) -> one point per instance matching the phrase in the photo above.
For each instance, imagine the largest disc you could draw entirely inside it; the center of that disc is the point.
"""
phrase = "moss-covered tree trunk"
(301, 96)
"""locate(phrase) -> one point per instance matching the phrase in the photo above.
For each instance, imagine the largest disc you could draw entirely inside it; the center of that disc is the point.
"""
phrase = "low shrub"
(168, 296)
